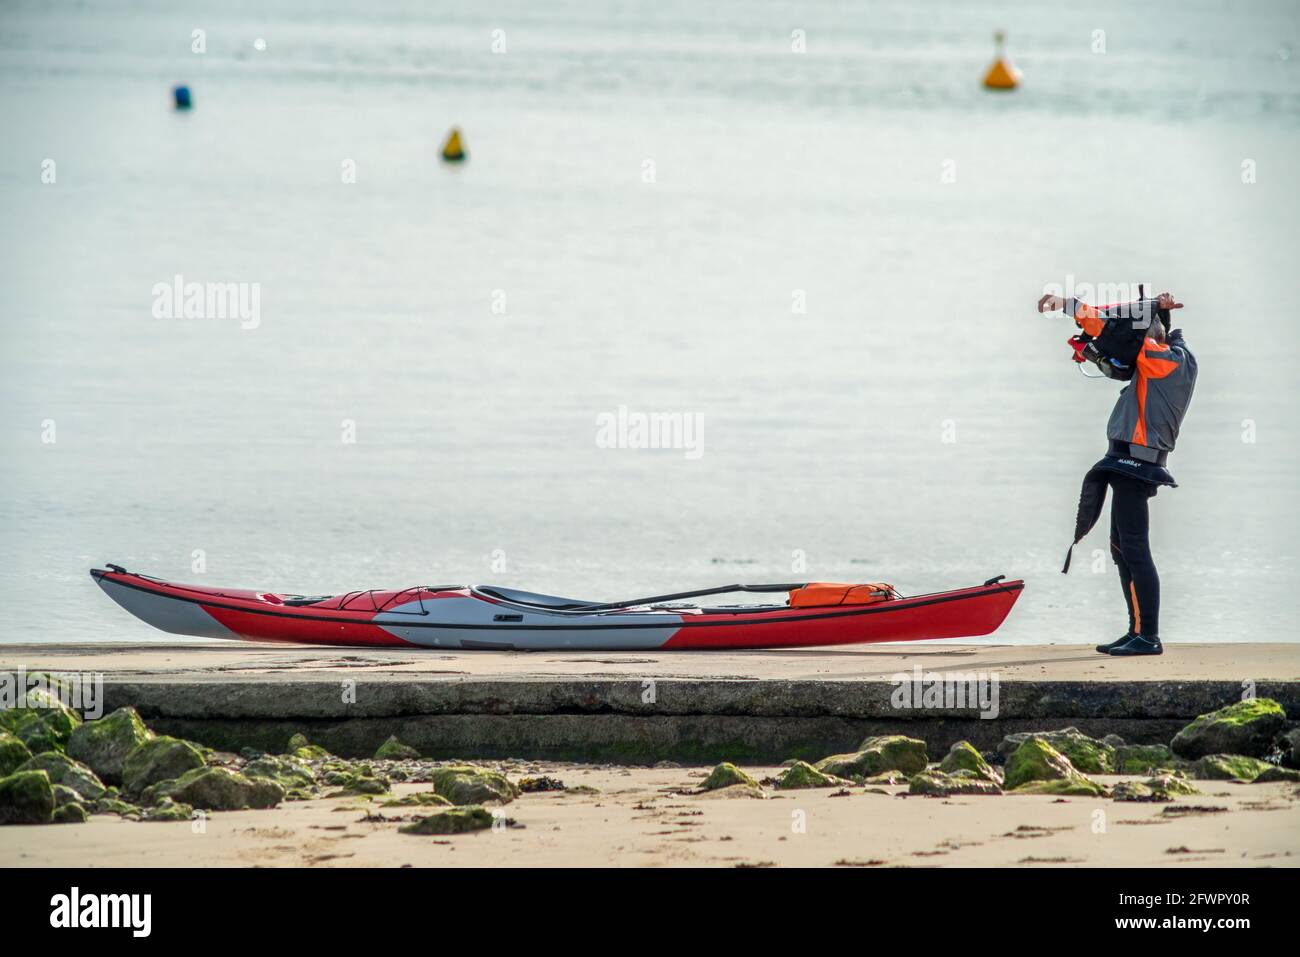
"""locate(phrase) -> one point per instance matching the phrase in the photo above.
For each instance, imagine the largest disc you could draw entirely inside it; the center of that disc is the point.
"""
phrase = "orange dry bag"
(817, 594)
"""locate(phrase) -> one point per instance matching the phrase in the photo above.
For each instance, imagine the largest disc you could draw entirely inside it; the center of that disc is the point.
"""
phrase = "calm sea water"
(916, 422)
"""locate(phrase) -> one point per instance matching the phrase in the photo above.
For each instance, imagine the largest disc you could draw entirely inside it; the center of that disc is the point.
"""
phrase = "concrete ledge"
(622, 739)
(697, 707)
(774, 699)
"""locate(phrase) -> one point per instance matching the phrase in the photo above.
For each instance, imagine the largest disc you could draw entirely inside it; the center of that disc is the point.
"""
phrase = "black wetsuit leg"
(1130, 545)
(1125, 578)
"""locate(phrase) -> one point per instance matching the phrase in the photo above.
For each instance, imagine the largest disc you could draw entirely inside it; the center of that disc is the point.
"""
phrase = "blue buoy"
(182, 97)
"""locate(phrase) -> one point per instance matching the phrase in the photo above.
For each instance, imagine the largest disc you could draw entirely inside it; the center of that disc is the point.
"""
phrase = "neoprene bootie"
(1138, 645)
(1105, 649)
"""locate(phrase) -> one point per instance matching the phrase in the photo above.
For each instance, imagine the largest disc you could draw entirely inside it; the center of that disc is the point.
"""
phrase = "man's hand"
(1165, 301)
(1050, 303)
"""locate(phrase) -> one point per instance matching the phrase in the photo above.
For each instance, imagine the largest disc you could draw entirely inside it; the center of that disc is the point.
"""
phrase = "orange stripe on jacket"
(1154, 366)
(1148, 367)
(1140, 429)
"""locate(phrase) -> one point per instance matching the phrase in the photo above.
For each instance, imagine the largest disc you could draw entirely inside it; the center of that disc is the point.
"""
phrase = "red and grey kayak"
(482, 616)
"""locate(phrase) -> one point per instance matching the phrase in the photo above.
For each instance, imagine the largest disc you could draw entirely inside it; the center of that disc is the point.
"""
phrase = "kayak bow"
(483, 616)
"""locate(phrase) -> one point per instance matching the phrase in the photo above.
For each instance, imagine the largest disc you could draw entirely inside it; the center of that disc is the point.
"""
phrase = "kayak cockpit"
(517, 597)
(298, 601)
(675, 604)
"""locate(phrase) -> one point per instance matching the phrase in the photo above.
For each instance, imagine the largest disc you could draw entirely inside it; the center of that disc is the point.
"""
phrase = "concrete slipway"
(641, 708)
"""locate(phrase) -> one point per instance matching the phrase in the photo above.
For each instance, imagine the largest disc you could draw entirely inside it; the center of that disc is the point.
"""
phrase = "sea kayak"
(491, 617)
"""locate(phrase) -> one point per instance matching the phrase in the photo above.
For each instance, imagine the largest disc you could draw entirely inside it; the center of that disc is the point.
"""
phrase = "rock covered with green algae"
(337, 776)
(300, 747)
(70, 813)
(218, 789)
(1246, 727)
(13, 754)
(9, 717)
(1036, 760)
(159, 759)
(1161, 788)
(37, 739)
(292, 774)
(1275, 773)
(886, 778)
(168, 810)
(1135, 791)
(104, 745)
(455, 820)
(72, 774)
(877, 754)
(118, 807)
(394, 750)
(944, 784)
(44, 723)
(363, 784)
(1035, 767)
(1085, 753)
(1078, 786)
(963, 756)
(1228, 767)
(26, 797)
(465, 784)
(1292, 749)
(418, 799)
(1143, 758)
(801, 774)
(352, 778)
(734, 791)
(725, 775)
(1174, 784)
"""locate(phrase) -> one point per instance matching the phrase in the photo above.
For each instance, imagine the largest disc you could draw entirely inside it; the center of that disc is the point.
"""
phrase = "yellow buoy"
(452, 150)
(1002, 75)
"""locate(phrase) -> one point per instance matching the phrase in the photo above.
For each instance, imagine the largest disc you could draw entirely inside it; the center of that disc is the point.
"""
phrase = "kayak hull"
(466, 617)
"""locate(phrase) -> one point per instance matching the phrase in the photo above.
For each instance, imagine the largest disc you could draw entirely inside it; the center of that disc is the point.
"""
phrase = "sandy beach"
(649, 817)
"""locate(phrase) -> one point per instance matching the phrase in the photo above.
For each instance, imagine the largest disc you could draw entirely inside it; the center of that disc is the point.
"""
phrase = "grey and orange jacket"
(1150, 409)
(1144, 424)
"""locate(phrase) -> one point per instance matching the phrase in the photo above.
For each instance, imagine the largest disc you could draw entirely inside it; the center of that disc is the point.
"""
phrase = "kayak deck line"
(524, 620)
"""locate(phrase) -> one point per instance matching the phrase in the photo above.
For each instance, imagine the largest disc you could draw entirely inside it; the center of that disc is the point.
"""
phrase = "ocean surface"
(825, 262)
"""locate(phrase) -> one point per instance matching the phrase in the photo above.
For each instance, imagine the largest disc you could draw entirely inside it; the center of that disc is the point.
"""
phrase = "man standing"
(1131, 341)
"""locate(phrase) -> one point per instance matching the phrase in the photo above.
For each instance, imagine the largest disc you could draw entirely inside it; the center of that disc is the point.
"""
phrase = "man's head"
(1156, 331)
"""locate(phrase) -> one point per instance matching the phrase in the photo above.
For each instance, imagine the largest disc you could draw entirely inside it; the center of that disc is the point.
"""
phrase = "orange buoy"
(452, 150)
(1001, 75)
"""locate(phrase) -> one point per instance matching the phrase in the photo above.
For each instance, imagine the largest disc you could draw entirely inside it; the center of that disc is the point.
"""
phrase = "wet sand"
(646, 818)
